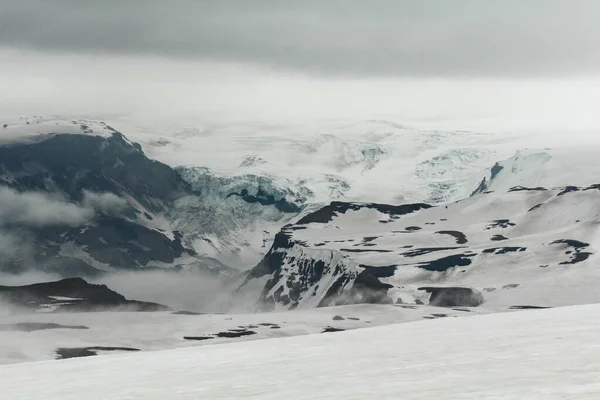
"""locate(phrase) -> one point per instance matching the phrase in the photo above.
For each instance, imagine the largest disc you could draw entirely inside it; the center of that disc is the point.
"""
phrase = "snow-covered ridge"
(548, 168)
(524, 247)
(37, 128)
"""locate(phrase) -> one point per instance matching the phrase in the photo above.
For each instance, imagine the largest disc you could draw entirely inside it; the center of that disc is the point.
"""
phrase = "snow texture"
(541, 354)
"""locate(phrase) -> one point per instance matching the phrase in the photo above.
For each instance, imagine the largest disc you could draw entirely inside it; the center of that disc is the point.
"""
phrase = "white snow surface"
(19, 129)
(542, 354)
(164, 330)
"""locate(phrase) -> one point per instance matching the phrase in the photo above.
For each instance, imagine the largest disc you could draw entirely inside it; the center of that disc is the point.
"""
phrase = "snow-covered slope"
(569, 165)
(542, 354)
(32, 337)
(525, 247)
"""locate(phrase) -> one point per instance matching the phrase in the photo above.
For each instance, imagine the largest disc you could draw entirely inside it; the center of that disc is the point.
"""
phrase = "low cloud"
(188, 291)
(33, 209)
(106, 203)
(39, 209)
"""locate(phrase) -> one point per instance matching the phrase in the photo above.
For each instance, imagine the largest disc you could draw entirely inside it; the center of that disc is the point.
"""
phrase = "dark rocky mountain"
(115, 200)
(72, 294)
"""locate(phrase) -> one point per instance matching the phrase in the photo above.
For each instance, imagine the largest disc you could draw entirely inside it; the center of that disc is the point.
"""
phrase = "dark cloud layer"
(367, 38)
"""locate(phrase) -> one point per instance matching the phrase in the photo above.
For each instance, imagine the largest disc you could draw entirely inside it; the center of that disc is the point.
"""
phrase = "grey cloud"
(38, 209)
(332, 37)
(106, 203)
(32, 209)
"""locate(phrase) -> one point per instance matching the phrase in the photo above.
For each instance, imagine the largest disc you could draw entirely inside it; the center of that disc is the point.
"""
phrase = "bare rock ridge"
(72, 294)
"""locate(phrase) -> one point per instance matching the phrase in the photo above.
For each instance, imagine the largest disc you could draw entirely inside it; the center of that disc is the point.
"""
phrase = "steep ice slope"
(549, 168)
(549, 354)
(233, 219)
(527, 247)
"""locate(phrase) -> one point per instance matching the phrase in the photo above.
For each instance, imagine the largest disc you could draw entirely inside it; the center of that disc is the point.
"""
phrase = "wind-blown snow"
(549, 354)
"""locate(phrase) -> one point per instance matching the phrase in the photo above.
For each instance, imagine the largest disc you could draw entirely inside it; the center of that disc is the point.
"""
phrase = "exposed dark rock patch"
(504, 250)
(527, 308)
(575, 250)
(427, 250)
(461, 309)
(440, 315)
(408, 307)
(445, 263)
(331, 329)
(489, 289)
(460, 237)
(453, 296)
(186, 313)
(384, 271)
(327, 213)
(366, 250)
(412, 228)
(74, 352)
(484, 184)
(500, 223)
(37, 326)
(527, 189)
(267, 324)
(535, 207)
(353, 318)
(569, 189)
(570, 242)
(338, 318)
(497, 238)
(510, 286)
(235, 334)
(198, 337)
(84, 297)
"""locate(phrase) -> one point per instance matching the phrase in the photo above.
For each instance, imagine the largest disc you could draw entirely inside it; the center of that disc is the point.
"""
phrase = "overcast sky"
(267, 58)
(375, 37)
